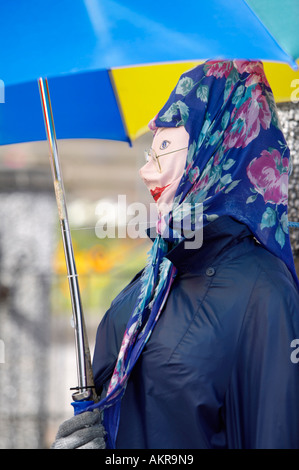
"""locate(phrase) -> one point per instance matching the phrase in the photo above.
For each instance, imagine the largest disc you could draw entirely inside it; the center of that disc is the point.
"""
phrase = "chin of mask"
(171, 147)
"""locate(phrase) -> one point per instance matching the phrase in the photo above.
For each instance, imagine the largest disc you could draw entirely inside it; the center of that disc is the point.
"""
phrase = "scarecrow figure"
(199, 350)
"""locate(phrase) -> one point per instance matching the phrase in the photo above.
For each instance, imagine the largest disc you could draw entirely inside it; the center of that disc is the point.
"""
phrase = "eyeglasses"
(150, 154)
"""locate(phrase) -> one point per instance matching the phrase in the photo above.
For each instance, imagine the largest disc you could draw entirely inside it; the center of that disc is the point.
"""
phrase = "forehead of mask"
(171, 139)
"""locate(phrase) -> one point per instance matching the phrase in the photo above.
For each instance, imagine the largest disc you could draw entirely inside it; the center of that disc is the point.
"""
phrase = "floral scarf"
(237, 165)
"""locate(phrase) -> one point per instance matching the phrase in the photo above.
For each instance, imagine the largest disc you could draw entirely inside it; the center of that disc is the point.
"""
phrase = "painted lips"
(156, 193)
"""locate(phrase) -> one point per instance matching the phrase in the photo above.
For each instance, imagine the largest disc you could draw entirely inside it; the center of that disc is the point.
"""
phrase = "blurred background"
(37, 352)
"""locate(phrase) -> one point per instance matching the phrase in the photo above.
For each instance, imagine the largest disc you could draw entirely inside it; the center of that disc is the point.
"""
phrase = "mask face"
(162, 177)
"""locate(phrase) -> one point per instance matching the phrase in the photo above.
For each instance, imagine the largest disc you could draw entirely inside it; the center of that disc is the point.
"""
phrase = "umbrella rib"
(114, 87)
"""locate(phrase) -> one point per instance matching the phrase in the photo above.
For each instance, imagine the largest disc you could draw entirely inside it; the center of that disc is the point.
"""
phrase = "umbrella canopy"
(67, 36)
(81, 46)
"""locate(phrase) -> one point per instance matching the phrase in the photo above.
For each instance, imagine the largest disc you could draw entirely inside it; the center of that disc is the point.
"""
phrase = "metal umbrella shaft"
(84, 371)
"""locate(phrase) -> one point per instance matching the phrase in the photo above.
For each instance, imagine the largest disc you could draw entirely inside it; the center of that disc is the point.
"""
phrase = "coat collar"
(218, 236)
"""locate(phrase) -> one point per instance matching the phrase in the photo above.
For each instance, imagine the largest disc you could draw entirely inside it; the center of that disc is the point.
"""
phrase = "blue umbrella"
(59, 37)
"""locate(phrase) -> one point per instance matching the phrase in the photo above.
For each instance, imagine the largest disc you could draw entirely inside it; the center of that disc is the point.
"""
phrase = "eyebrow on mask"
(159, 134)
(160, 129)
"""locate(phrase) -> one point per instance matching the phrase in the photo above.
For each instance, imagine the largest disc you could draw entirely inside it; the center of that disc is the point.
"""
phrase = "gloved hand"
(82, 431)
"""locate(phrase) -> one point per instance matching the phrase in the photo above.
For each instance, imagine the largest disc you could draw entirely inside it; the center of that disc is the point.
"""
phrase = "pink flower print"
(269, 176)
(256, 70)
(201, 183)
(161, 225)
(188, 168)
(218, 69)
(120, 364)
(247, 119)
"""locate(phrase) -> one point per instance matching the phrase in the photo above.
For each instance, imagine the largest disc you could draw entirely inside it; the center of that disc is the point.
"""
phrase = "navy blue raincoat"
(221, 368)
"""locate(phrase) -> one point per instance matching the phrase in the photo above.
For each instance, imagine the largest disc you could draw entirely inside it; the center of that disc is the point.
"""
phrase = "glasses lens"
(149, 155)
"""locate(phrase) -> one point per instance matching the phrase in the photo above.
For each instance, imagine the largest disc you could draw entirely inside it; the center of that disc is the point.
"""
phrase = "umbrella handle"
(85, 389)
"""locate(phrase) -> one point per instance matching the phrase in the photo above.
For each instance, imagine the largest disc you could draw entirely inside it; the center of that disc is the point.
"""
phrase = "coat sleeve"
(110, 333)
(262, 400)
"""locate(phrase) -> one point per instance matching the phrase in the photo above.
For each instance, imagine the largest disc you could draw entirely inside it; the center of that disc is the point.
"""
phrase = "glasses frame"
(152, 154)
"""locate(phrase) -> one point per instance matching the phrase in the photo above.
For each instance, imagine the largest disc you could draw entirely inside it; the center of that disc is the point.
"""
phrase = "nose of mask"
(162, 189)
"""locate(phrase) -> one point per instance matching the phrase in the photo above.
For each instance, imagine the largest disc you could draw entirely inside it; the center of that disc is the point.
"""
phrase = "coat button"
(210, 271)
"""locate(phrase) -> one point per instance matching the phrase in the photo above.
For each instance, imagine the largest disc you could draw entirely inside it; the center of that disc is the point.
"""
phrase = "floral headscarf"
(237, 165)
